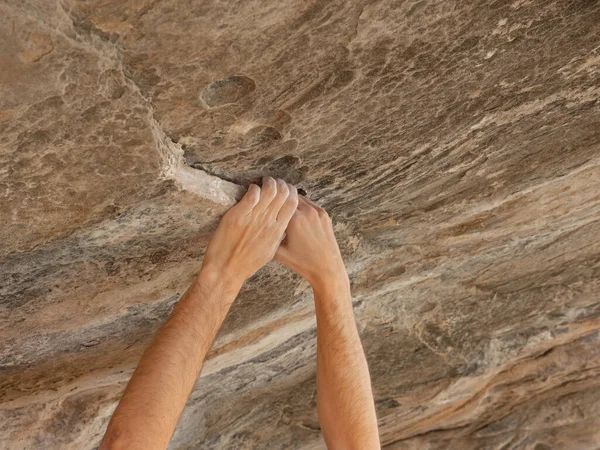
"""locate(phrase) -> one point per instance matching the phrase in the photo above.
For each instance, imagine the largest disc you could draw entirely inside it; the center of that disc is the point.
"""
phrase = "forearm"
(158, 390)
(344, 395)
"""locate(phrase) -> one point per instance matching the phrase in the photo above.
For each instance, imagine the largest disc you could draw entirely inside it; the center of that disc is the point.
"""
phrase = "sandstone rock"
(36, 47)
(456, 145)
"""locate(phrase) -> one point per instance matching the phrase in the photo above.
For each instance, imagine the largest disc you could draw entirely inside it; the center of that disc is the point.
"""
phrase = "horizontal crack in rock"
(191, 179)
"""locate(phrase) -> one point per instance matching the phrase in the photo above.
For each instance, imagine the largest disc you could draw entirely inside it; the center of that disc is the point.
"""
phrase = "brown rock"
(37, 46)
(455, 144)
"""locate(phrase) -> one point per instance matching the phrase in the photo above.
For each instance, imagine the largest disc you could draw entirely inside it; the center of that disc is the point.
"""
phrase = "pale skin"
(250, 235)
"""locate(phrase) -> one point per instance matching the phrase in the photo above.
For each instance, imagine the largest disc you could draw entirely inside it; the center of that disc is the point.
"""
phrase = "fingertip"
(282, 186)
(253, 194)
(267, 180)
(269, 188)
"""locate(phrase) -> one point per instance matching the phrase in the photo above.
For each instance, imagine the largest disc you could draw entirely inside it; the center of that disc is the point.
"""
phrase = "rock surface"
(456, 145)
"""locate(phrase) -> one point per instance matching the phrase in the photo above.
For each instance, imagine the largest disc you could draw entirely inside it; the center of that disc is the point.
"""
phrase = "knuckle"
(238, 216)
(229, 216)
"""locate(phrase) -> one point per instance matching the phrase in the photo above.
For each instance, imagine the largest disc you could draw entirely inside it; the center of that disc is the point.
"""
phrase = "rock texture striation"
(456, 145)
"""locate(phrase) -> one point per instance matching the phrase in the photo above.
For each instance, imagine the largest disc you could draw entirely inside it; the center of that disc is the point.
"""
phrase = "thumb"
(282, 255)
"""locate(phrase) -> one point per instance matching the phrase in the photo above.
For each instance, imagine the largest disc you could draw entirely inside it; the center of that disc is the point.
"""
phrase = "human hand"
(310, 248)
(250, 232)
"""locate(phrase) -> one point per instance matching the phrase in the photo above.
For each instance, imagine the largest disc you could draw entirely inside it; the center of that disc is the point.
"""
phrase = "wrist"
(333, 299)
(336, 282)
(221, 280)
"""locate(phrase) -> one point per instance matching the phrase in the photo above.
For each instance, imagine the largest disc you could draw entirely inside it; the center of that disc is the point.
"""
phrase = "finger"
(309, 209)
(250, 199)
(322, 213)
(311, 203)
(289, 207)
(283, 192)
(267, 194)
(303, 205)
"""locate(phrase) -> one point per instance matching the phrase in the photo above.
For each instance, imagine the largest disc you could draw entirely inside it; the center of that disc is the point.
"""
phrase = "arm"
(344, 397)
(159, 388)
(244, 241)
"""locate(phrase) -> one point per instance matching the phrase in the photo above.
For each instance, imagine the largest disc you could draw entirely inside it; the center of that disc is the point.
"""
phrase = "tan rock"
(36, 47)
(455, 144)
